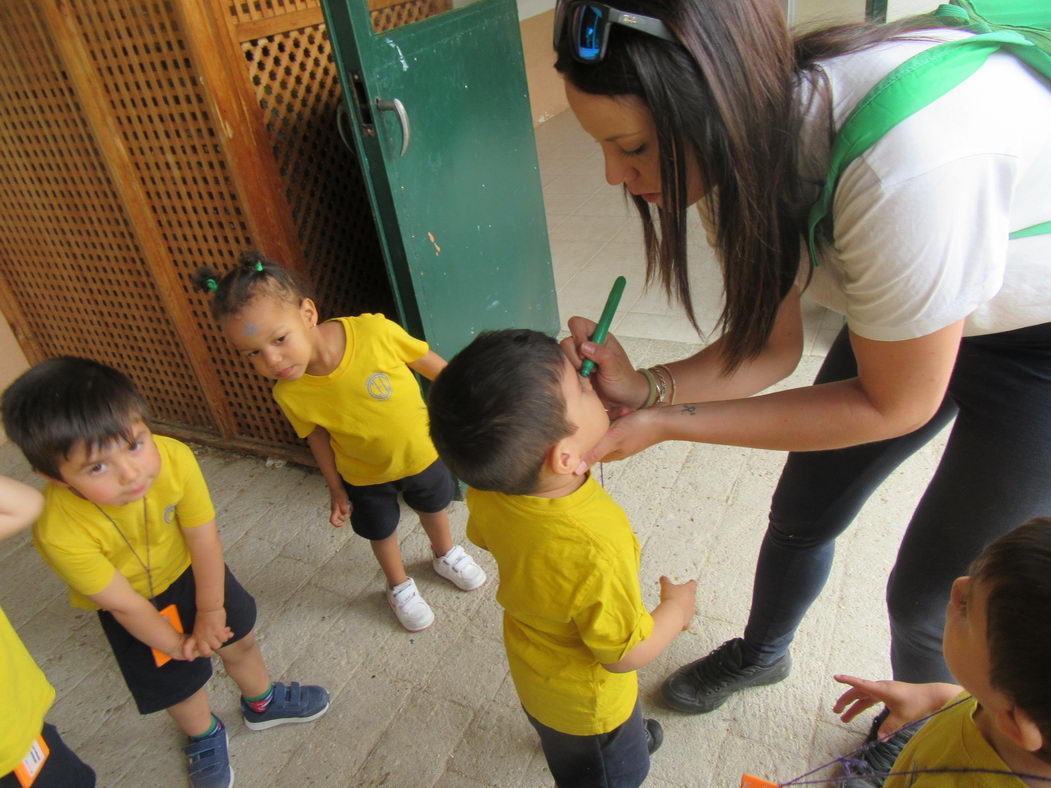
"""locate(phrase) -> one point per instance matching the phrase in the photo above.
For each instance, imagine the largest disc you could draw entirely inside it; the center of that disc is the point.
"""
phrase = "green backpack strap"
(903, 92)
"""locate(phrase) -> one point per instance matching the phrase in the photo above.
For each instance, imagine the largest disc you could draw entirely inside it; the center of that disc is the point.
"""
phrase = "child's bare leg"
(436, 524)
(244, 662)
(388, 553)
(193, 715)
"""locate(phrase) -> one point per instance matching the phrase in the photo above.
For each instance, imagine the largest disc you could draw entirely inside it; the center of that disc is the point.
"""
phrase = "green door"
(441, 123)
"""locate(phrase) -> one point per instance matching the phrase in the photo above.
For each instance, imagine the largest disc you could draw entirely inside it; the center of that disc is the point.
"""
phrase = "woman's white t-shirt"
(921, 219)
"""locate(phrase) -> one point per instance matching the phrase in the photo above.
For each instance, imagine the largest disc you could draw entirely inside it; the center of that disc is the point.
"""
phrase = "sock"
(216, 726)
(261, 703)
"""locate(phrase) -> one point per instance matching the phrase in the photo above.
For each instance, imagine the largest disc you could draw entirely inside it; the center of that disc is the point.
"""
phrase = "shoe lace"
(720, 667)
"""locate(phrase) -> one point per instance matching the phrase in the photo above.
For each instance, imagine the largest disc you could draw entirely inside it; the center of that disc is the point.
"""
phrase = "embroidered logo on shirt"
(378, 386)
(169, 513)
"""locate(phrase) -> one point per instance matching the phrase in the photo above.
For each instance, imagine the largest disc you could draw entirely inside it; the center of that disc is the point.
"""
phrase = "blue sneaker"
(291, 703)
(208, 761)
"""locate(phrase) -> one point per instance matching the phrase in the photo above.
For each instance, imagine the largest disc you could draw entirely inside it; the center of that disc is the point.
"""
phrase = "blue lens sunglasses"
(589, 25)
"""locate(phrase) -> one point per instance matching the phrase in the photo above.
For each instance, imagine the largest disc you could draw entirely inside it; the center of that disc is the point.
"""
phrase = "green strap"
(907, 89)
(1036, 229)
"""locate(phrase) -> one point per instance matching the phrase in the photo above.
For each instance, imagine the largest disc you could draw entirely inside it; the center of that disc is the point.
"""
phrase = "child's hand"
(906, 702)
(186, 650)
(210, 631)
(682, 595)
(20, 505)
(341, 507)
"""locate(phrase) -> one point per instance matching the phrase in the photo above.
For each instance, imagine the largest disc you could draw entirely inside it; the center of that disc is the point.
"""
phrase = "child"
(129, 525)
(511, 417)
(997, 635)
(31, 751)
(346, 385)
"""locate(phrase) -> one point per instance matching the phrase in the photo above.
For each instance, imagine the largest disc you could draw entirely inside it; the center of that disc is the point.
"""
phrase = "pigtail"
(205, 280)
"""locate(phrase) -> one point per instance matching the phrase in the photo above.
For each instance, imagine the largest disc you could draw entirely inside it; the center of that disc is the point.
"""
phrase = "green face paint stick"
(604, 322)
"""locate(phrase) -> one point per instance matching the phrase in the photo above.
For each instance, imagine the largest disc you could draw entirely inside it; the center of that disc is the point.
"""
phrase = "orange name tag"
(172, 614)
(748, 781)
(29, 769)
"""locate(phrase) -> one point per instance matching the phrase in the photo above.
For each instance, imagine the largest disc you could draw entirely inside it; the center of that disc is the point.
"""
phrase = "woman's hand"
(620, 387)
(627, 435)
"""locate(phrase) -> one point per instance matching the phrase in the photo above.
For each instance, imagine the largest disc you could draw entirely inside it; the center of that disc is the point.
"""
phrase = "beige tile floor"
(437, 708)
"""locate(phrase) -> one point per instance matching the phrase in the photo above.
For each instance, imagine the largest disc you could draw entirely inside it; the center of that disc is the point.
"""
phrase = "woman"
(710, 103)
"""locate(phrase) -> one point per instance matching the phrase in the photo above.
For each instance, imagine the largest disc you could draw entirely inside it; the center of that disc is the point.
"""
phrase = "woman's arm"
(899, 387)
(699, 378)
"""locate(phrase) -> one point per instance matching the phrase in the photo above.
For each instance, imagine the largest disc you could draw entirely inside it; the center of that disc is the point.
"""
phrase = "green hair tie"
(211, 284)
(259, 266)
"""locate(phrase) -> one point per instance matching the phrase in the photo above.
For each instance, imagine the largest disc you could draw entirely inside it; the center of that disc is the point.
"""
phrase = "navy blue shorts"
(156, 688)
(618, 759)
(375, 506)
(62, 769)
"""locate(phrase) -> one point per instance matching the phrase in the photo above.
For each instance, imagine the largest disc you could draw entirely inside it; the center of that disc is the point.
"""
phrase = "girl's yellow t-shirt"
(370, 404)
(569, 586)
(25, 700)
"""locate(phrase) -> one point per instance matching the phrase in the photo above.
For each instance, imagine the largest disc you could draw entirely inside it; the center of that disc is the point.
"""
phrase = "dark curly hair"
(253, 275)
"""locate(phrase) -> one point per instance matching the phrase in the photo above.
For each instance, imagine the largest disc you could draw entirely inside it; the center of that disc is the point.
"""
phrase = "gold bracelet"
(662, 385)
(671, 379)
(652, 396)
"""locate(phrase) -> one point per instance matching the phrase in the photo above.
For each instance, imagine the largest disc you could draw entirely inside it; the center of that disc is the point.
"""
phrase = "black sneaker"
(871, 765)
(654, 735)
(706, 684)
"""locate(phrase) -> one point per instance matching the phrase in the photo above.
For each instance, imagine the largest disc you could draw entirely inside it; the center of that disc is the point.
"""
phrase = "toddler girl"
(346, 385)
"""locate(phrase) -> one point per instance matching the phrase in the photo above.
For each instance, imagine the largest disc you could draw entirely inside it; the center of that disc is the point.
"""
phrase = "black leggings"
(994, 475)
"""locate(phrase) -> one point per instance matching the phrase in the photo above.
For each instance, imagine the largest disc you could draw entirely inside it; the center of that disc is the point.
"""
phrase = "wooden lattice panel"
(297, 85)
(161, 110)
(386, 16)
(253, 10)
(67, 252)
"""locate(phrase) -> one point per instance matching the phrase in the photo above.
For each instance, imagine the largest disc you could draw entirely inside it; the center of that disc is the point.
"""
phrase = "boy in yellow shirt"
(31, 751)
(994, 728)
(512, 418)
(129, 526)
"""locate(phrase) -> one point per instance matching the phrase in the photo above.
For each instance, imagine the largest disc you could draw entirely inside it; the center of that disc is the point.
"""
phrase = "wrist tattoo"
(689, 410)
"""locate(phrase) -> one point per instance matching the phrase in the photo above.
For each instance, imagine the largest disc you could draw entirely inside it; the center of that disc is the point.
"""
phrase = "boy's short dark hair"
(65, 402)
(497, 409)
(1016, 570)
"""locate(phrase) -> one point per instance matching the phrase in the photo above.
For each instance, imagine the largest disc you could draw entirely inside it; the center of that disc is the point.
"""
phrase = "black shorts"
(62, 769)
(375, 506)
(156, 688)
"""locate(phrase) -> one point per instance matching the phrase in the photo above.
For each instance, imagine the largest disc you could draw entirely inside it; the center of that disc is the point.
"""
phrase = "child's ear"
(563, 457)
(1019, 728)
(52, 479)
(308, 310)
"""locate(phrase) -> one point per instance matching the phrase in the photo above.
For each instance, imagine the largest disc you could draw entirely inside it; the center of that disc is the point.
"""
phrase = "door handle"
(395, 105)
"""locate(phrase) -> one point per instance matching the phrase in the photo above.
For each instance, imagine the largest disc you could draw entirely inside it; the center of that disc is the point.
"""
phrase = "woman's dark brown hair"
(727, 93)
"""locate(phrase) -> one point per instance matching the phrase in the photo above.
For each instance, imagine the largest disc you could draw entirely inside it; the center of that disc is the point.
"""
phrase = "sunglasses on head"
(588, 26)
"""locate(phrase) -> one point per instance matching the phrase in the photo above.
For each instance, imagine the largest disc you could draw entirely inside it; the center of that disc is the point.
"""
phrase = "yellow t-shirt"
(569, 586)
(25, 700)
(951, 740)
(85, 548)
(370, 404)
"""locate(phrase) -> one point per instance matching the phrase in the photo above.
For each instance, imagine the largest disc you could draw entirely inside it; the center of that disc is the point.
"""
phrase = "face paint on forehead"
(250, 328)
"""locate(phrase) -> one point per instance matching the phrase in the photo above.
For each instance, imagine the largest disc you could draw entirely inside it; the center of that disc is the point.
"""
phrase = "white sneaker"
(407, 604)
(459, 568)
